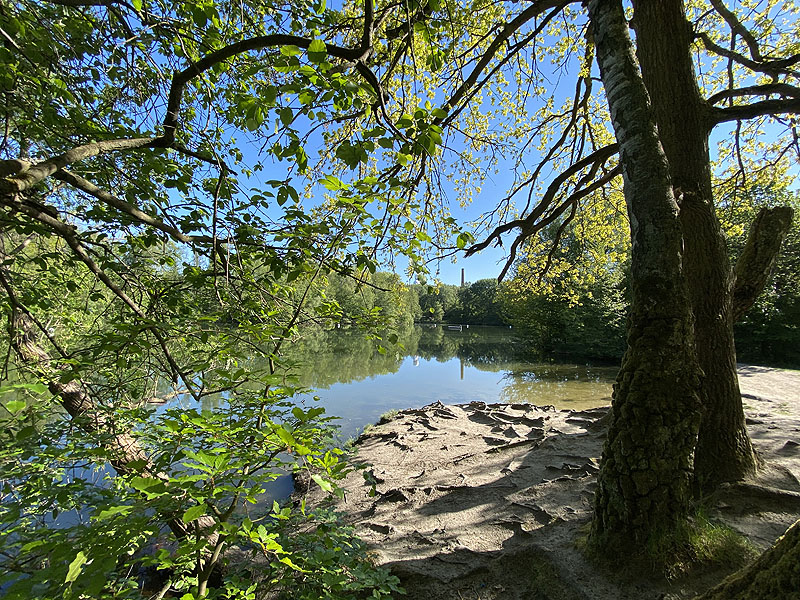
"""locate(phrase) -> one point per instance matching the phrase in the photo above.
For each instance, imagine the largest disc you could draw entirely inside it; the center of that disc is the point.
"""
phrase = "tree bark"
(758, 257)
(774, 574)
(684, 119)
(645, 475)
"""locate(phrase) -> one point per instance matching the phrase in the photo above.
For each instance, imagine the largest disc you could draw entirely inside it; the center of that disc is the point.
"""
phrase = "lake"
(357, 383)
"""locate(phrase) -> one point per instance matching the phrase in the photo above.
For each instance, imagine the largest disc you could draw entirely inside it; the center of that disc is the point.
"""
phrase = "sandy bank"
(481, 501)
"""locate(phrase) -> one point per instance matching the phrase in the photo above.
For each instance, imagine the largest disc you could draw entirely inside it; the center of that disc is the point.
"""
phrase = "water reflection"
(357, 383)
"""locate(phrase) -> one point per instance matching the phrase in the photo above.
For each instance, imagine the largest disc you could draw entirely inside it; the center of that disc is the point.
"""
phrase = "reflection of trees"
(324, 358)
(341, 356)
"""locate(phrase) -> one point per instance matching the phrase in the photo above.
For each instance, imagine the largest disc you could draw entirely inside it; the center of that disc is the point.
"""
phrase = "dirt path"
(486, 502)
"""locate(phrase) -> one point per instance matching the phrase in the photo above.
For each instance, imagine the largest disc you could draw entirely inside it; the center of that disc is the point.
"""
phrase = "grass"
(697, 545)
(349, 443)
(388, 416)
(702, 544)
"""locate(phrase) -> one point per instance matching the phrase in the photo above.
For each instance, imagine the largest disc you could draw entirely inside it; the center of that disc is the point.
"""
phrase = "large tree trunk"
(724, 451)
(775, 574)
(645, 475)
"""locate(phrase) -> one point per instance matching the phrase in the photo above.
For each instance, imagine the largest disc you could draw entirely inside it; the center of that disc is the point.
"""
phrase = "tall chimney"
(462, 277)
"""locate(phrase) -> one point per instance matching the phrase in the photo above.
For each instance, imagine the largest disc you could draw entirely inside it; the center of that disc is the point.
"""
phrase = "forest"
(189, 188)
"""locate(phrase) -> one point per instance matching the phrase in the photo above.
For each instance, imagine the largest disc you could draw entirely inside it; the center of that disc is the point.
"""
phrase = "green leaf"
(194, 513)
(317, 51)
(351, 154)
(290, 50)
(332, 183)
(270, 95)
(286, 114)
(286, 437)
(325, 485)
(15, 406)
(112, 511)
(288, 561)
(75, 567)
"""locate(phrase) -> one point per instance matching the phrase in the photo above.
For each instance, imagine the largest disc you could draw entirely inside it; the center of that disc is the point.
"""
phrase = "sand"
(477, 501)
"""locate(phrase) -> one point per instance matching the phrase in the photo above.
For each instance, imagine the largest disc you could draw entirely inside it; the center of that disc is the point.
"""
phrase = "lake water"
(357, 383)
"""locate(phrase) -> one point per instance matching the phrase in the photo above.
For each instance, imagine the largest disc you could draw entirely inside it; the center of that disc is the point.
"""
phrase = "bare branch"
(756, 109)
(784, 89)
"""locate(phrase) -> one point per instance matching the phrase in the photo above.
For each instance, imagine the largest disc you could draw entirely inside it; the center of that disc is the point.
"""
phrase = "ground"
(486, 502)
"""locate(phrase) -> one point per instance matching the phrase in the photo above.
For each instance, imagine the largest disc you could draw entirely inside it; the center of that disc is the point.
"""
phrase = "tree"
(130, 124)
(143, 257)
(479, 302)
(667, 34)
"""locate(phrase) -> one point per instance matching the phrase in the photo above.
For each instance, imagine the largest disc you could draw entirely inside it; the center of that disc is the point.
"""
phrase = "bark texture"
(758, 257)
(645, 477)
(684, 119)
(775, 574)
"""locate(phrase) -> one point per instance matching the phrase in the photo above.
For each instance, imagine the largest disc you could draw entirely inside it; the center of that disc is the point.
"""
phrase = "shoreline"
(488, 500)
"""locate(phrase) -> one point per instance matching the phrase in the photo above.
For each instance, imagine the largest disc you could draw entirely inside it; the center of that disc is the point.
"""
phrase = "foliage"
(148, 251)
(568, 293)
(68, 519)
(184, 186)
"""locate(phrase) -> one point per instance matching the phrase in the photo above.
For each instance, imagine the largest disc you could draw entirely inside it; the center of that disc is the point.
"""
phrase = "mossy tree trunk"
(685, 121)
(644, 485)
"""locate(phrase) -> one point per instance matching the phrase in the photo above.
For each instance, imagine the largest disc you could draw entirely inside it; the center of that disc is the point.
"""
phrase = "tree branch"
(738, 28)
(182, 78)
(68, 234)
(129, 209)
(770, 67)
(595, 159)
(536, 9)
(25, 174)
(758, 257)
(784, 89)
(756, 109)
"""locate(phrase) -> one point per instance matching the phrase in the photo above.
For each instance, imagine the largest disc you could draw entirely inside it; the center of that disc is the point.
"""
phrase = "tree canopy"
(177, 178)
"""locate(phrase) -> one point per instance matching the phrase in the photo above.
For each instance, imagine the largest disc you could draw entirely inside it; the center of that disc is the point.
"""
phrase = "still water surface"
(357, 383)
